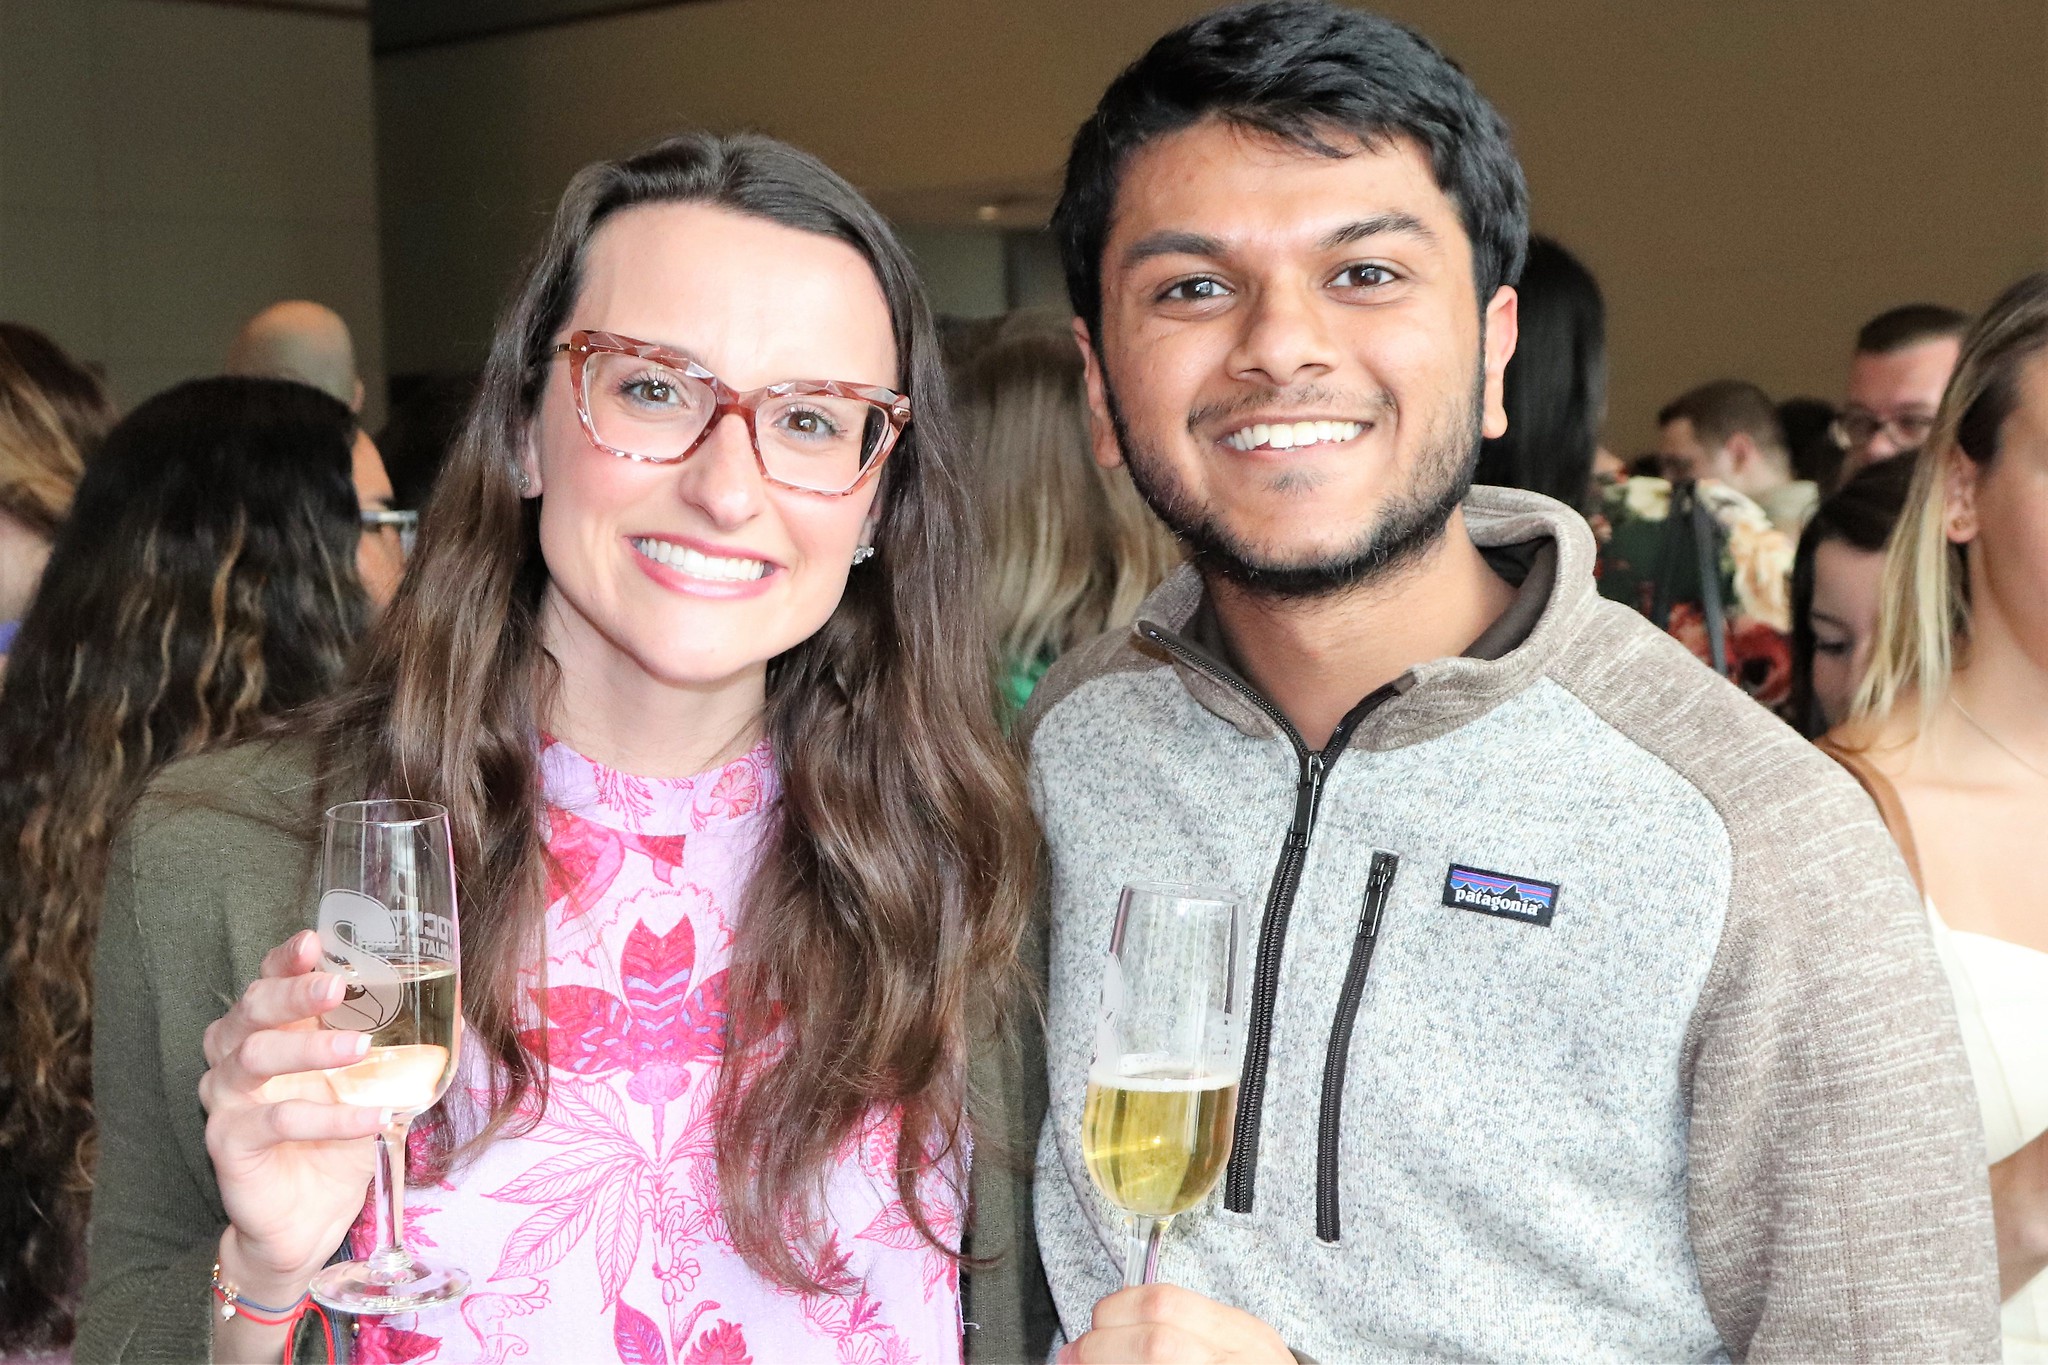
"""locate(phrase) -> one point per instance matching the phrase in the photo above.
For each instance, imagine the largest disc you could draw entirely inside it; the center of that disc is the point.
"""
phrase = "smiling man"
(1587, 1011)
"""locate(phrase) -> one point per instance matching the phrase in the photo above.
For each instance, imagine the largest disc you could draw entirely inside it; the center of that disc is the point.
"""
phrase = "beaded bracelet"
(232, 1302)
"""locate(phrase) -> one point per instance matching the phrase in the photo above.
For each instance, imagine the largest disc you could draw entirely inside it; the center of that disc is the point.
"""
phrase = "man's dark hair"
(1725, 407)
(1897, 328)
(1301, 71)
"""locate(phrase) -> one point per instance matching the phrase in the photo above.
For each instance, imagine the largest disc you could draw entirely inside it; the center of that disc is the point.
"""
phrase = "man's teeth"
(1291, 435)
(686, 560)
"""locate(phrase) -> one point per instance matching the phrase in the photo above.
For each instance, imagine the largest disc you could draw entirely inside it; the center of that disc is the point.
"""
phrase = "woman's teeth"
(1291, 435)
(683, 559)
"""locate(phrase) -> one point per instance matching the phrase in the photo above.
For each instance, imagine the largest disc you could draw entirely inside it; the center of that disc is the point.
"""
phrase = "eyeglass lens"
(1860, 428)
(654, 412)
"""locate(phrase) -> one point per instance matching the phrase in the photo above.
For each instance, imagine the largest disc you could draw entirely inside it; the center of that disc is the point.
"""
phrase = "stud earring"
(863, 554)
(525, 484)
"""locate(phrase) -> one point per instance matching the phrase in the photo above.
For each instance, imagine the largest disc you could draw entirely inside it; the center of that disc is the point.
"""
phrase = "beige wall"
(167, 168)
(1750, 178)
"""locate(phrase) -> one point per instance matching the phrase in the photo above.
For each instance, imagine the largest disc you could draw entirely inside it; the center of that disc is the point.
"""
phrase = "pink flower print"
(624, 793)
(485, 1314)
(664, 851)
(583, 861)
(380, 1343)
(601, 1184)
(736, 791)
(657, 1032)
(723, 1343)
(636, 1338)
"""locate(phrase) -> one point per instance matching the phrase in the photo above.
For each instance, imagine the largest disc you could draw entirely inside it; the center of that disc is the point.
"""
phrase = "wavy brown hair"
(204, 584)
(893, 889)
(53, 413)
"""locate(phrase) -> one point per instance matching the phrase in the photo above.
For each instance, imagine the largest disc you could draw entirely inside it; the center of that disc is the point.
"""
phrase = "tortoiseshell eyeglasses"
(642, 401)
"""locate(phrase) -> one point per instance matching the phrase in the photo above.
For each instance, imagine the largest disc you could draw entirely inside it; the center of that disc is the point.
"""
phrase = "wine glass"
(1162, 1093)
(387, 925)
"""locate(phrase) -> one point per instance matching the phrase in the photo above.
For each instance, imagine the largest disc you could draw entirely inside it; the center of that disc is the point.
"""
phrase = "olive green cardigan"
(214, 869)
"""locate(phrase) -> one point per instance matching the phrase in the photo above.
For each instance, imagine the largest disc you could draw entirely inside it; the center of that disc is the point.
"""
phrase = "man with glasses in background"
(1902, 363)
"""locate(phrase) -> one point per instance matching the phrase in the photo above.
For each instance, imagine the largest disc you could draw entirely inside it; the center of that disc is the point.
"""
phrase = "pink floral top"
(598, 1232)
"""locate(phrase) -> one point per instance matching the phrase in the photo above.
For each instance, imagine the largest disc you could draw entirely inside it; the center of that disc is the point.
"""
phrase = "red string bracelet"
(233, 1305)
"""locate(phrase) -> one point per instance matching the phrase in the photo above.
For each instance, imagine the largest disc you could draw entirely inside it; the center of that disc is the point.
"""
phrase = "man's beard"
(1405, 529)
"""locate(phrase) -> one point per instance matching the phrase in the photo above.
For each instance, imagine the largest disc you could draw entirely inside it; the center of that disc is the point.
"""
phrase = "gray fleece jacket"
(1591, 1012)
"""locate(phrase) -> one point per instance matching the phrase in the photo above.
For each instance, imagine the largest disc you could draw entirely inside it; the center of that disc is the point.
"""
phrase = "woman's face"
(755, 303)
(1846, 584)
(2000, 511)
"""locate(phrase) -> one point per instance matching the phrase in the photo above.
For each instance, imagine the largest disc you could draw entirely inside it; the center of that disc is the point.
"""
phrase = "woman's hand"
(292, 1163)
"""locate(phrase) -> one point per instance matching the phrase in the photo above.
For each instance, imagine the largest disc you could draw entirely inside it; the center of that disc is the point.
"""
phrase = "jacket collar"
(1435, 697)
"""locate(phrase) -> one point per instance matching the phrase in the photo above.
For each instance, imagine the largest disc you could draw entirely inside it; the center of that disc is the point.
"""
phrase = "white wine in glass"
(1162, 1093)
(388, 927)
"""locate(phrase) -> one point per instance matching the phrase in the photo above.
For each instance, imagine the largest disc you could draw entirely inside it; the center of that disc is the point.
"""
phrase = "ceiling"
(402, 25)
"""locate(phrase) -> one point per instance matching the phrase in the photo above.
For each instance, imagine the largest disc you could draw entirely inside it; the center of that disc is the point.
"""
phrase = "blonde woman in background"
(1950, 735)
(53, 412)
(1072, 549)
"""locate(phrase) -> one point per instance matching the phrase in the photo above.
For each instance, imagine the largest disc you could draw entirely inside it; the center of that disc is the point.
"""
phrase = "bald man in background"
(309, 342)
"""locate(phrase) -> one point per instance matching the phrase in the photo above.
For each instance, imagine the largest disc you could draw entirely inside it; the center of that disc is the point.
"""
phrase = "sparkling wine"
(412, 1052)
(1155, 1142)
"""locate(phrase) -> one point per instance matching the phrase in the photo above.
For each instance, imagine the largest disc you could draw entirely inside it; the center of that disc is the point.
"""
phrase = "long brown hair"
(1073, 549)
(205, 585)
(1923, 622)
(894, 887)
(53, 413)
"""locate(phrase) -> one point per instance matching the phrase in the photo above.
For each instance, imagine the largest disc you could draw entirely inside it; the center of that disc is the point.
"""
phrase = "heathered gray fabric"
(1717, 1107)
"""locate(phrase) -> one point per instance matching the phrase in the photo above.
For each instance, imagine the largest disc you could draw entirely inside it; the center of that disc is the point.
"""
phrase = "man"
(1587, 1011)
(310, 343)
(1902, 363)
(1729, 430)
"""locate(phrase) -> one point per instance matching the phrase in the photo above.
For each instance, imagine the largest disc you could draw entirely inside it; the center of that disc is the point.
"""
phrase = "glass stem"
(389, 1207)
(1141, 1259)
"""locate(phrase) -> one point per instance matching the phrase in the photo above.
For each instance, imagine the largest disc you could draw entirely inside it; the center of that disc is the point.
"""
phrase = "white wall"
(168, 167)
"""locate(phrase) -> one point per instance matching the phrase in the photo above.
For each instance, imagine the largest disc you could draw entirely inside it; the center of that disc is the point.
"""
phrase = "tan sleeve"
(1837, 1183)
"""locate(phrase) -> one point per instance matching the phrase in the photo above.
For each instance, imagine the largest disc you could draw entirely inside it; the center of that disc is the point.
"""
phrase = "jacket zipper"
(1378, 885)
(1241, 1177)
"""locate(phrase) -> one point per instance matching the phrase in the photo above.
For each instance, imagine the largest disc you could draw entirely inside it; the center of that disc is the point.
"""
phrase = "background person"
(1950, 734)
(1835, 592)
(1071, 547)
(53, 413)
(1556, 395)
(708, 695)
(1677, 1112)
(1729, 430)
(309, 342)
(204, 586)
(1902, 362)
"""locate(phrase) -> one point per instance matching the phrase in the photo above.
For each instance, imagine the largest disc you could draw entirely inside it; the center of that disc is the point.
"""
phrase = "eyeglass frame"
(581, 345)
(1838, 430)
(403, 520)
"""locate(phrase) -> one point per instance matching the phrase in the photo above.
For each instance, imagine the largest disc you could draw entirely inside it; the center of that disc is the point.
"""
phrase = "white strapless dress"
(2001, 992)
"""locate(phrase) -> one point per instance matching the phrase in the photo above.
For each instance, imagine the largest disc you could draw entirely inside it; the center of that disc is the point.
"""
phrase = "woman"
(738, 840)
(1556, 394)
(53, 412)
(205, 585)
(1950, 734)
(1835, 589)
(1072, 547)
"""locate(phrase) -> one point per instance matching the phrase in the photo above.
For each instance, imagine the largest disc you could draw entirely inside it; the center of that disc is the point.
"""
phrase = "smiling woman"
(737, 835)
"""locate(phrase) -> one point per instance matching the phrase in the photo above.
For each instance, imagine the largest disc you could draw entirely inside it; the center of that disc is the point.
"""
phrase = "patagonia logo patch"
(1494, 893)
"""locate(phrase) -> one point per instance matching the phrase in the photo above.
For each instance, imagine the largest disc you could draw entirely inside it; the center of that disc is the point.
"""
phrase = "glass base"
(405, 1285)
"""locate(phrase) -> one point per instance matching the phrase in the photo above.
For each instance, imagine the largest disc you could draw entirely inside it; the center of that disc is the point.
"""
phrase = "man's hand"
(1163, 1324)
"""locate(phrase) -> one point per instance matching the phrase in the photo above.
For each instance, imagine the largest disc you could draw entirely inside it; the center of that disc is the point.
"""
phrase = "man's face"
(1682, 455)
(1292, 362)
(1892, 396)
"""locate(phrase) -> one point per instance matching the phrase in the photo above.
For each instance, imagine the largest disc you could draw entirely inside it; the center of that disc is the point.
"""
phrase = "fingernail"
(329, 987)
(384, 1117)
(357, 1045)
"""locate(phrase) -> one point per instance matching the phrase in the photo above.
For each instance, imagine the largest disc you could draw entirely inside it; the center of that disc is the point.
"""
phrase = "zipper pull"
(1379, 883)
(1307, 794)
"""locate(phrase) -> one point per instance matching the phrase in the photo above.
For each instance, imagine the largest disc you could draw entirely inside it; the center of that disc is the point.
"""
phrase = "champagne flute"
(387, 925)
(1162, 1093)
